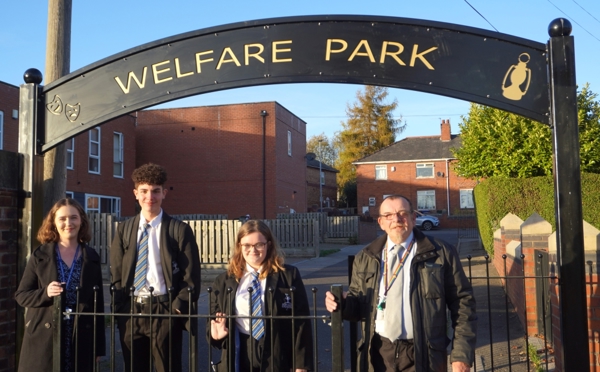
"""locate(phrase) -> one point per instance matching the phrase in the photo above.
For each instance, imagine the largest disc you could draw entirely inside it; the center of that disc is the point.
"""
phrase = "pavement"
(500, 336)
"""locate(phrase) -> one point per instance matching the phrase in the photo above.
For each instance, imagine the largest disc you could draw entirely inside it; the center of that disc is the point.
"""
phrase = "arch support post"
(567, 198)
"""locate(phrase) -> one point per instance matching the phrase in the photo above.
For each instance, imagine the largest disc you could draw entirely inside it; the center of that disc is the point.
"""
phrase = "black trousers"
(392, 356)
(251, 350)
(156, 340)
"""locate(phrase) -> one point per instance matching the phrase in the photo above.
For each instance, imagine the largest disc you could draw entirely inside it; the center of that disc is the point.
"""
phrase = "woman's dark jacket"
(41, 269)
(280, 333)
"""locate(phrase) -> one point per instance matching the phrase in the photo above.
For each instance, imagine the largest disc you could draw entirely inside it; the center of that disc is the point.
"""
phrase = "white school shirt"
(154, 274)
(242, 298)
(407, 324)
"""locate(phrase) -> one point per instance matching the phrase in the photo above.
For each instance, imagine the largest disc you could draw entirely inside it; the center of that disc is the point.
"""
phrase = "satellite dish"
(310, 156)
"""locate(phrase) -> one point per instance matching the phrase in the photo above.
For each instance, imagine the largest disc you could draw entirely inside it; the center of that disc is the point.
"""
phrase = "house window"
(381, 172)
(118, 155)
(69, 194)
(70, 153)
(424, 170)
(426, 200)
(289, 143)
(466, 199)
(1, 130)
(102, 204)
(322, 178)
(94, 153)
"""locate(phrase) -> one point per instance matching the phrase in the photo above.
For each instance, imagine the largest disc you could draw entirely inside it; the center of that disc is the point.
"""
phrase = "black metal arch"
(441, 58)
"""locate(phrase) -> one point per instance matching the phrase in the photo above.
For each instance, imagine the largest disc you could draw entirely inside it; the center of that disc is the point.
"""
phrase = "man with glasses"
(405, 289)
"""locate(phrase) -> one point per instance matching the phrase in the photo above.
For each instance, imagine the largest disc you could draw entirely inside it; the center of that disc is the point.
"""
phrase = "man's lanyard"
(398, 268)
(62, 271)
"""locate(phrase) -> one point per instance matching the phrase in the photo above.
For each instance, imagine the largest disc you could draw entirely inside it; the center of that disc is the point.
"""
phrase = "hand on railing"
(218, 330)
(330, 302)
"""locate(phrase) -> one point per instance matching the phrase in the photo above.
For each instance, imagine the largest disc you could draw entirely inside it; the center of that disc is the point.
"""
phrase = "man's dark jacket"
(438, 282)
(179, 260)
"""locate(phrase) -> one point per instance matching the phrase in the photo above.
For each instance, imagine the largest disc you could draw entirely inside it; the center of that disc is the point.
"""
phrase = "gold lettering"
(130, 76)
(283, 50)
(256, 55)
(156, 71)
(178, 70)
(199, 61)
(368, 52)
(233, 58)
(416, 55)
(329, 50)
(394, 55)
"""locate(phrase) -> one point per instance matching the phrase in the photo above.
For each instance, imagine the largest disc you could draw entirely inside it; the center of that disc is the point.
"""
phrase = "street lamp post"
(320, 179)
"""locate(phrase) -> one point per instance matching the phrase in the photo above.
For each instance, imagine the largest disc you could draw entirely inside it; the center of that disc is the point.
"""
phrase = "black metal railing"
(503, 342)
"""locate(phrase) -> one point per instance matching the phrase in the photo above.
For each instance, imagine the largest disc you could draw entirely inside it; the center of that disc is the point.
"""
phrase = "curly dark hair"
(149, 174)
(48, 233)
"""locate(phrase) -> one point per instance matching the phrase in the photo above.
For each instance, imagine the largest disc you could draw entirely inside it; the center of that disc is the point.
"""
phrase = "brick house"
(213, 155)
(420, 168)
(327, 186)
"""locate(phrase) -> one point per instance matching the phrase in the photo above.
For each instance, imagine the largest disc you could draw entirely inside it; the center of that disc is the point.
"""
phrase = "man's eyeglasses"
(404, 215)
(258, 246)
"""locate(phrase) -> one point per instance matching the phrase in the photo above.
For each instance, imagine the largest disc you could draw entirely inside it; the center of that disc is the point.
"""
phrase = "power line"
(481, 15)
(585, 10)
(574, 21)
(395, 117)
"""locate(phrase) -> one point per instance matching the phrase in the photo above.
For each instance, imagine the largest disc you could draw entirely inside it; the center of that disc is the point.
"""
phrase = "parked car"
(427, 222)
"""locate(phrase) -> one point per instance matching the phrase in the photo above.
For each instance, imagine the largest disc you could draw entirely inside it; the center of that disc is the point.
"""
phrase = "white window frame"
(70, 194)
(381, 172)
(426, 200)
(467, 195)
(95, 207)
(118, 146)
(289, 138)
(1, 130)
(425, 166)
(322, 177)
(94, 157)
(71, 154)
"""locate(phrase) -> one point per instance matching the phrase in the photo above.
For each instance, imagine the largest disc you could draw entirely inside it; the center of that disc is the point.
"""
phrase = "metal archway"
(521, 76)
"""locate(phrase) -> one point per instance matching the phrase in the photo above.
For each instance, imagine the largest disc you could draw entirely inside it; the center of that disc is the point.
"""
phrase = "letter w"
(131, 75)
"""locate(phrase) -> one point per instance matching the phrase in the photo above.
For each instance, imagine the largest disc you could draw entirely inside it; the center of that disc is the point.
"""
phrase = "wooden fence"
(331, 227)
(216, 238)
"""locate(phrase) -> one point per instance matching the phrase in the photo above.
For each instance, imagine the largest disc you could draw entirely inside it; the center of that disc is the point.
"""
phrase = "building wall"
(405, 182)
(329, 189)
(9, 101)
(214, 158)
(80, 181)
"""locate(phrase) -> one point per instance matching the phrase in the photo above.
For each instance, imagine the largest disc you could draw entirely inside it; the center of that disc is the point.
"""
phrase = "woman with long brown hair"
(261, 285)
(63, 262)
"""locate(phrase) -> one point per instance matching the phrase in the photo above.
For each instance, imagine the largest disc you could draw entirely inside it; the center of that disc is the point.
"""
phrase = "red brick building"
(227, 159)
(327, 187)
(9, 117)
(420, 168)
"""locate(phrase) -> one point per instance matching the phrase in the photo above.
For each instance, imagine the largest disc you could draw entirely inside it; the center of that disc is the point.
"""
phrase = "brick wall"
(9, 101)
(214, 158)
(8, 258)
(329, 189)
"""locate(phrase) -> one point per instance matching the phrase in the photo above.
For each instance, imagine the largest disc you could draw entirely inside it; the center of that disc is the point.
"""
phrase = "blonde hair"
(274, 259)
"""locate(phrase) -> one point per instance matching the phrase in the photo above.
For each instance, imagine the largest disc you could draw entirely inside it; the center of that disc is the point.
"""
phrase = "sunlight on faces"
(251, 249)
(68, 222)
(396, 219)
(150, 198)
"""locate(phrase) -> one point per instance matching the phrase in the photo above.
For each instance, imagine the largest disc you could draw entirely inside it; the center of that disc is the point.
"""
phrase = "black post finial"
(33, 76)
(560, 27)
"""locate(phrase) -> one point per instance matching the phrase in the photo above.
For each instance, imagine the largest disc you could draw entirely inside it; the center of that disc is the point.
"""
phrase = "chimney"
(446, 137)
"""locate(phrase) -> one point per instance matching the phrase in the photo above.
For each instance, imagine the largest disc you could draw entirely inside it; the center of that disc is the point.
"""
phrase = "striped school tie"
(141, 266)
(258, 325)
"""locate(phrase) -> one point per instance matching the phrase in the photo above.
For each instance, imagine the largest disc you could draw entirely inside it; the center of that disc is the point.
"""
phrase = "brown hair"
(149, 174)
(394, 197)
(274, 259)
(48, 232)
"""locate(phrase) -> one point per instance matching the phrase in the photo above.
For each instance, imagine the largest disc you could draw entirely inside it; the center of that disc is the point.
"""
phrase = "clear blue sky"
(104, 28)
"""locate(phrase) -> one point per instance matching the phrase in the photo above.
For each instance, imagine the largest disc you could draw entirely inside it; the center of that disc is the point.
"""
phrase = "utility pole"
(58, 57)
(320, 177)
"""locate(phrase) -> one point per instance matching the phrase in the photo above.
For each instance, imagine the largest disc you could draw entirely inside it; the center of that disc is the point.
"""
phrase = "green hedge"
(496, 197)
